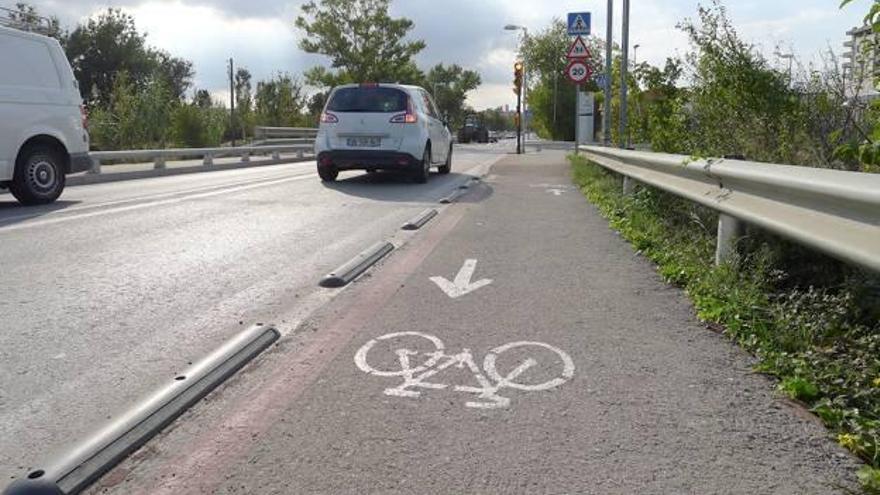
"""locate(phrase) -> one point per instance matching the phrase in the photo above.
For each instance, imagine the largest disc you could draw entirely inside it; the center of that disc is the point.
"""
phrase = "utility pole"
(624, 61)
(232, 99)
(606, 117)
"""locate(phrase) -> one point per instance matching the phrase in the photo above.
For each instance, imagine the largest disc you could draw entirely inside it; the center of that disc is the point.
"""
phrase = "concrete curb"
(86, 179)
(88, 461)
(421, 219)
(357, 265)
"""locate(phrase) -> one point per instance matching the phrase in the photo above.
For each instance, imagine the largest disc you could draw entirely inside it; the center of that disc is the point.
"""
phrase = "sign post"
(578, 69)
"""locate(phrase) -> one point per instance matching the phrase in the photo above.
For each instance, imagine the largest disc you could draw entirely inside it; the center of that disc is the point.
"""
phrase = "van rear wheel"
(39, 175)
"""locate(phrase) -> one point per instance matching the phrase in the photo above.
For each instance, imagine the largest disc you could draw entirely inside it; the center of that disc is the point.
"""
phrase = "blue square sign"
(578, 23)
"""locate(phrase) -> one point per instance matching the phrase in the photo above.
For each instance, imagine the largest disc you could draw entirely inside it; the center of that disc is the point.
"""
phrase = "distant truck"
(473, 130)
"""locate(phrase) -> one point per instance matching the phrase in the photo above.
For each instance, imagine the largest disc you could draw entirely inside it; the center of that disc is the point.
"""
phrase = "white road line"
(146, 197)
(140, 206)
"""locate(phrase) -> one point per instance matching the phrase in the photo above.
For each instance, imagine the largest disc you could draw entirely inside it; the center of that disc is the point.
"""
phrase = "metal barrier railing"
(160, 157)
(833, 211)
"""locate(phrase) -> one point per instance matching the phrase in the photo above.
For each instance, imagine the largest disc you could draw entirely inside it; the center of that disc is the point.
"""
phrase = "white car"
(43, 125)
(382, 127)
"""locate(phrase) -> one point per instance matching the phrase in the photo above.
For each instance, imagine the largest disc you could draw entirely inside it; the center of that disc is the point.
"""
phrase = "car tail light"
(329, 118)
(404, 118)
(369, 85)
(84, 114)
(408, 117)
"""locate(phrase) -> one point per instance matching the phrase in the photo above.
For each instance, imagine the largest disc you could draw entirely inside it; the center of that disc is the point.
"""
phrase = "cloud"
(260, 35)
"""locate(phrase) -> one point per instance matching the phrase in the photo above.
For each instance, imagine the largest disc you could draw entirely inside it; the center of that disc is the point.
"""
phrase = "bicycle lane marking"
(438, 360)
(202, 467)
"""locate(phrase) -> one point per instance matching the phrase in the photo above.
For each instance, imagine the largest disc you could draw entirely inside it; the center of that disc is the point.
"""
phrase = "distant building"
(862, 62)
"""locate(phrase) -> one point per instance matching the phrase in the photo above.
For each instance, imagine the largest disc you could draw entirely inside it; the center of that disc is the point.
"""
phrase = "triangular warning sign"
(578, 49)
(579, 26)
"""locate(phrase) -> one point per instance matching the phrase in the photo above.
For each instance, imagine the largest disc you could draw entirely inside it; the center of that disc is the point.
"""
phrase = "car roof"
(382, 85)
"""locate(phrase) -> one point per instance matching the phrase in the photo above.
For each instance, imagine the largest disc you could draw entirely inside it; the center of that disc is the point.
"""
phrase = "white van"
(43, 124)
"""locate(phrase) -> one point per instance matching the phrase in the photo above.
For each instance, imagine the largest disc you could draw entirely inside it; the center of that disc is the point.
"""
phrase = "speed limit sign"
(577, 71)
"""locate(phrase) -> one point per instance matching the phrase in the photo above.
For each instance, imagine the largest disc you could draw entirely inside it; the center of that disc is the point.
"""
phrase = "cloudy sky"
(260, 35)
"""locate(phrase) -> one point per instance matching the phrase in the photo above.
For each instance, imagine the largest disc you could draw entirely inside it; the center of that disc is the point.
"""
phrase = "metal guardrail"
(832, 211)
(160, 157)
(283, 135)
(262, 132)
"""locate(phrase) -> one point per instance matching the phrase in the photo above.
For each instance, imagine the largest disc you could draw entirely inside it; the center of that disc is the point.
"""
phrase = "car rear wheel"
(328, 174)
(421, 175)
(39, 176)
(446, 167)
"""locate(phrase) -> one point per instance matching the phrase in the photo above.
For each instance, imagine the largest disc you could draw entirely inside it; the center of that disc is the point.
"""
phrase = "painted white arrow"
(556, 192)
(462, 284)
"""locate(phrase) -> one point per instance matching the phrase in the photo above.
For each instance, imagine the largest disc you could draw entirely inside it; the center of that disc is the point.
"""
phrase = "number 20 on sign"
(577, 71)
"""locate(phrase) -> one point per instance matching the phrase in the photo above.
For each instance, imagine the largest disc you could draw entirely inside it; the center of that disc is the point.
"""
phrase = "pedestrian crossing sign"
(578, 23)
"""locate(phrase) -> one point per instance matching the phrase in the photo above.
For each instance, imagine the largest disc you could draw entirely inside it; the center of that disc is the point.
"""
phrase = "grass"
(813, 322)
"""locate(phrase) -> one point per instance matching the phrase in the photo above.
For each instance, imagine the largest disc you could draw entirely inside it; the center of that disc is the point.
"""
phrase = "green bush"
(193, 126)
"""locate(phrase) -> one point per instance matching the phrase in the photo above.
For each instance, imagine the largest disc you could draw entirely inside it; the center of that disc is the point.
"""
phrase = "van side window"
(27, 63)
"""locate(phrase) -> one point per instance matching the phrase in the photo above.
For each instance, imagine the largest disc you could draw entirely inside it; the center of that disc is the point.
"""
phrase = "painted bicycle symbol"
(416, 367)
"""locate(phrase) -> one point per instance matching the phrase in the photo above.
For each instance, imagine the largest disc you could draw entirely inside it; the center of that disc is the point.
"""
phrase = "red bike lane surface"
(516, 346)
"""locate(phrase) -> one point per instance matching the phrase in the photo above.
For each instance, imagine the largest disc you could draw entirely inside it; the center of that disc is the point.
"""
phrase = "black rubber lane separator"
(84, 464)
(451, 197)
(419, 220)
(359, 264)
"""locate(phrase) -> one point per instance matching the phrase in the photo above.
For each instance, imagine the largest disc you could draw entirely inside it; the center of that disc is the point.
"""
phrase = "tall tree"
(280, 102)
(202, 99)
(176, 73)
(110, 43)
(363, 42)
(450, 86)
(316, 105)
(551, 97)
(244, 102)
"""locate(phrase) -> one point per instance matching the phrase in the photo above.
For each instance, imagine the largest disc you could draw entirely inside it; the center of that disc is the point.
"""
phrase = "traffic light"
(517, 77)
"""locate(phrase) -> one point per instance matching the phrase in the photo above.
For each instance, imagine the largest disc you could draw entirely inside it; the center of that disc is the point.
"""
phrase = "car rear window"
(372, 100)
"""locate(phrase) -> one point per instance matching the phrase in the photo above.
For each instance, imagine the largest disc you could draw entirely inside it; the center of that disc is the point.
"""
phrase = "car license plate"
(364, 142)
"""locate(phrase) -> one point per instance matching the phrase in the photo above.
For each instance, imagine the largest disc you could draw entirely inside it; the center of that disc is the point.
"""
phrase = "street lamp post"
(525, 90)
(624, 66)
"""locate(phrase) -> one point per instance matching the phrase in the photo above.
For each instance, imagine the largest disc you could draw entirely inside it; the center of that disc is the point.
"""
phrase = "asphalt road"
(109, 292)
(566, 366)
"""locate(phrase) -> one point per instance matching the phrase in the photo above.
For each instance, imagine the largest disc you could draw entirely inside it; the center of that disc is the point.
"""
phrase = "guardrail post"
(276, 155)
(208, 160)
(96, 166)
(629, 186)
(730, 230)
(159, 162)
(245, 157)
